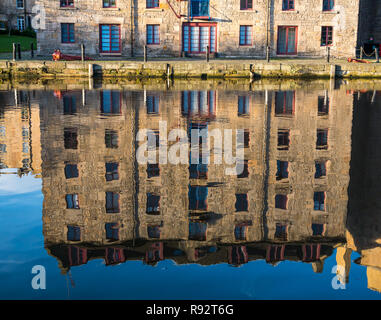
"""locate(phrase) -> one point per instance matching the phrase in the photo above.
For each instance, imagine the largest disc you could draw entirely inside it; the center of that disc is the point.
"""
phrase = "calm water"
(76, 200)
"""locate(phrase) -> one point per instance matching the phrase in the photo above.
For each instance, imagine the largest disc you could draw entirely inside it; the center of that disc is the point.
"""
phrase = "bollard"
(328, 54)
(361, 50)
(82, 52)
(207, 53)
(268, 53)
(14, 51)
(31, 50)
(377, 55)
(91, 70)
(19, 51)
(145, 53)
(168, 71)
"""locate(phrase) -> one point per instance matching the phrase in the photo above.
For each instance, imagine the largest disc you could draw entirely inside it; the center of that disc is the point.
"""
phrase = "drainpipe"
(268, 24)
(132, 28)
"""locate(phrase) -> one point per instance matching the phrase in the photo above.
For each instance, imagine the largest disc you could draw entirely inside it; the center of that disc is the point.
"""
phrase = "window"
(66, 3)
(153, 170)
(109, 3)
(320, 169)
(198, 103)
(326, 36)
(69, 105)
(275, 253)
(25, 147)
(20, 4)
(112, 202)
(112, 231)
(288, 5)
(283, 139)
(72, 201)
(110, 102)
(77, 256)
(114, 256)
(71, 171)
(322, 139)
(284, 103)
(282, 170)
(20, 23)
(317, 229)
(311, 252)
(110, 38)
(240, 231)
(281, 232)
(2, 131)
(199, 8)
(245, 35)
(153, 232)
(287, 40)
(111, 139)
(153, 204)
(328, 5)
(319, 201)
(245, 172)
(198, 170)
(73, 233)
(323, 105)
(153, 140)
(153, 35)
(246, 138)
(71, 138)
(241, 203)
(25, 133)
(152, 4)
(154, 253)
(238, 255)
(67, 33)
(197, 36)
(246, 4)
(3, 148)
(281, 201)
(112, 171)
(243, 105)
(197, 230)
(152, 104)
(198, 198)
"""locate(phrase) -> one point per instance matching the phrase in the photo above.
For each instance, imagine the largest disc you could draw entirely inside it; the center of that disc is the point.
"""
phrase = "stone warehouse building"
(228, 27)
(16, 14)
(290, 202)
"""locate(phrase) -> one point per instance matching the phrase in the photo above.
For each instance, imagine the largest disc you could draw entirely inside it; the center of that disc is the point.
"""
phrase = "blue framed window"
(153, 170)
(328, 5)
(111, 139)
(281, 231)
(69, 105)
(288, 5)
(282, 170)
(319, 201)
(72, 201)
(110, 38)
(71, 171)
(153, 34)
(197, 230)
(66, 3)
(67, 33)
(110, 102)
(323, 105)
(199, 8)
(112, 231)
(197, 36)
(198, 103)
(320, 169)
(112, 202)
(245, 35)
(240, 231)
(152, 3)
(198, 196)
(109, 3)
(152, 103)
(246, 4)
(243, 105)
(112, 171)
(73, 233)
(284, 103)
(241, 203)
(153, 204)
(317, 229)
(322, 139)
(281, 201)
(153, 232)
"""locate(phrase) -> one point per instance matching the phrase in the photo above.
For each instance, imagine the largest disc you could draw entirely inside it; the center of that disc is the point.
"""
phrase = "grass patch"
(6, 43)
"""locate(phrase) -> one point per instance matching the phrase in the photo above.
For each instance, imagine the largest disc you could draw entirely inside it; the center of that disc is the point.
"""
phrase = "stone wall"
(9, 12)
(133, 18)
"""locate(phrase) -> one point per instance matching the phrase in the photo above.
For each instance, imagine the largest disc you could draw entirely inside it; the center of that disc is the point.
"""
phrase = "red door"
(287, 40)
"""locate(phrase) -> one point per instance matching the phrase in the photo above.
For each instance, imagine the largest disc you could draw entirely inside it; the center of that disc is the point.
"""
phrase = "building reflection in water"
(289, 203)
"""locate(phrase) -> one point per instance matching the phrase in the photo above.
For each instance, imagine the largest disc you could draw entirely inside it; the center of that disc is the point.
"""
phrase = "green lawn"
(6, 42)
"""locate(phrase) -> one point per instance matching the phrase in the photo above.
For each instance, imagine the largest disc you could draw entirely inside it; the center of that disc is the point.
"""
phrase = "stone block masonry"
(219, 69)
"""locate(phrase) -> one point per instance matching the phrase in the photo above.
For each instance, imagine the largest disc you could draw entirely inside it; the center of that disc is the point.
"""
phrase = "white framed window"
(20, 23)
(20, 4)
